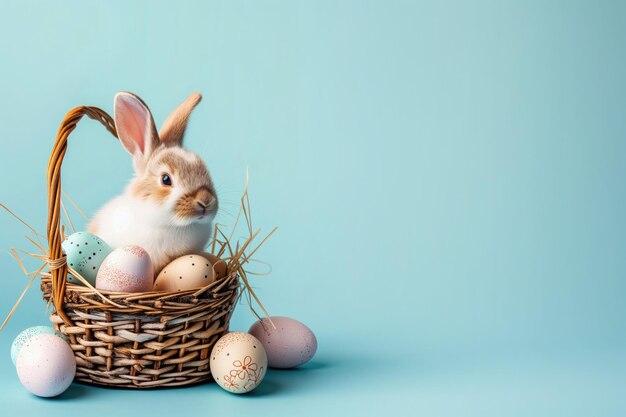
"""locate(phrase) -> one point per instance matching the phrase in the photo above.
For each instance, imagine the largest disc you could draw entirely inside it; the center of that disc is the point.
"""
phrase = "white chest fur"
(124, 222)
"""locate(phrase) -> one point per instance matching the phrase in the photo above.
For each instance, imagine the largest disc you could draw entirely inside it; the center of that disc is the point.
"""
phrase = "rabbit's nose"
(203, 199)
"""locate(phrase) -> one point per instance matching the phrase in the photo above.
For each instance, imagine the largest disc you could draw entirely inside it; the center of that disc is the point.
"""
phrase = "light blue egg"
(85, 253)
(23, 337)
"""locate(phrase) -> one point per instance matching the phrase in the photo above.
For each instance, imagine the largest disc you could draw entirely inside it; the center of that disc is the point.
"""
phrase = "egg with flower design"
(238, 362)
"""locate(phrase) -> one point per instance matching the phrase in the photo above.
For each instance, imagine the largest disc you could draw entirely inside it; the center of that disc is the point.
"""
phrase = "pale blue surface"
(448, 178)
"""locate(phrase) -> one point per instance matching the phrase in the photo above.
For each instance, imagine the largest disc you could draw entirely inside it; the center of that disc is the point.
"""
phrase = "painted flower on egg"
(238, 362)
(231, 382)
(245, 370)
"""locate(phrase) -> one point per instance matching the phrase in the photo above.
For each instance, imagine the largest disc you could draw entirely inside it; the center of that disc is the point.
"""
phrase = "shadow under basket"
(130, 340)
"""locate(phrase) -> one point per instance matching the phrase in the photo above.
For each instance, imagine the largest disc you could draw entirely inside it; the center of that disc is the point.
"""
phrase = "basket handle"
(58, 266)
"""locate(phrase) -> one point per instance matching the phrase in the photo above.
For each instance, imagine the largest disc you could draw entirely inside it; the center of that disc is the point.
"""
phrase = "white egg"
(238, 362)
(25, 335)
(46, 365)
(185, 273)
(126, 269)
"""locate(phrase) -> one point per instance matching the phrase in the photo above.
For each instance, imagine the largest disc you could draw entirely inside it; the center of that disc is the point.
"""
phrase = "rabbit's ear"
(173, 128)
(135, 127)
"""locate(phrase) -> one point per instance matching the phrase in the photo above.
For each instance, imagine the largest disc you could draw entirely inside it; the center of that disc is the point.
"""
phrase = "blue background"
(448, 178)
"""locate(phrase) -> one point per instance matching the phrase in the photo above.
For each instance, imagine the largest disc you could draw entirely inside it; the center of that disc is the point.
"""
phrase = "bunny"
(169, 206)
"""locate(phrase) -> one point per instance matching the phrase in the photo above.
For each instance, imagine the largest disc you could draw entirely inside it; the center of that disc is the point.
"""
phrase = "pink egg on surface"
(289, 345)
(46, 365)
(126, 269)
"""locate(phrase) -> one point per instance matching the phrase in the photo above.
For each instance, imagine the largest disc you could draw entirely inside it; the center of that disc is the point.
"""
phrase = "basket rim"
(70, 286)
(79, 297)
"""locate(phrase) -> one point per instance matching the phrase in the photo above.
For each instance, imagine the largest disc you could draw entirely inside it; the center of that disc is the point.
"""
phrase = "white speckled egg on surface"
(238, 362)
(126, 269)
(26, 334)
(289, 345)
(85, 253)
(46, 365)
(185, 273)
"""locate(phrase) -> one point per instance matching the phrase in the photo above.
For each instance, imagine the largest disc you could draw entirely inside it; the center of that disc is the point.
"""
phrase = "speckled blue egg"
(25, 335)
(85, 253)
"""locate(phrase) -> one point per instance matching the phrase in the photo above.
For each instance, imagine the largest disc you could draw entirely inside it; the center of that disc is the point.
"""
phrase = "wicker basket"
(130, 340)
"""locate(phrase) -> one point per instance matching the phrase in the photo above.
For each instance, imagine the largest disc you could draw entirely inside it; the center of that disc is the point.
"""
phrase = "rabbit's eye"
(166, 180)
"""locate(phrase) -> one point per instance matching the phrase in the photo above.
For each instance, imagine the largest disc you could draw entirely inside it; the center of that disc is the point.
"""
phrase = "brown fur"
(173, 128)
(187, 206)
(189, 175)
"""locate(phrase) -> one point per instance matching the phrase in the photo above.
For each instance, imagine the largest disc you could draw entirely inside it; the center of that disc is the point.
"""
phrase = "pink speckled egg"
(289, 345)
(238, 362)
(126, 269)
(46, 365)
